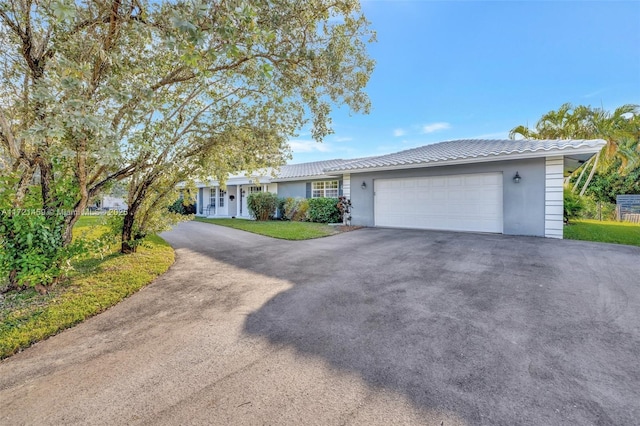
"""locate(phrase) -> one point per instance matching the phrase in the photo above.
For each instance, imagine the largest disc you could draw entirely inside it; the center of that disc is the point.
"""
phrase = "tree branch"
(119, 175)
(8, 137)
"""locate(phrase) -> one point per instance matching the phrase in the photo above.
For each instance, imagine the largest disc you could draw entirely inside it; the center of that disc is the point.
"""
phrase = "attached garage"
(460, 202)
(513, 187)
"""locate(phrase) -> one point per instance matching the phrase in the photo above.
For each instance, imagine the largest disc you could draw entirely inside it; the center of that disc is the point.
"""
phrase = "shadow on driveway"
(496, 329)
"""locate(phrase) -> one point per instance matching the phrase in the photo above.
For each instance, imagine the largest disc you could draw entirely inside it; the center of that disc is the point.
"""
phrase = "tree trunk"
(137, 194)
(127, 245)
(593, 171)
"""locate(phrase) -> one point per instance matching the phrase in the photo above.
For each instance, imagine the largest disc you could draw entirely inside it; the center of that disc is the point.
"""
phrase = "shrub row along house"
(512, 187)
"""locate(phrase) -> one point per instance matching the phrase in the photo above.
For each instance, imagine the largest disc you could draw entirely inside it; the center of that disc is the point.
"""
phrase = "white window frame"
(325, 189)
(212, 198)
(222, 195)
(254, 189)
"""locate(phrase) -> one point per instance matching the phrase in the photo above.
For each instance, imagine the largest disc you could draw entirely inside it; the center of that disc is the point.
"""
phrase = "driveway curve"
(375, 326)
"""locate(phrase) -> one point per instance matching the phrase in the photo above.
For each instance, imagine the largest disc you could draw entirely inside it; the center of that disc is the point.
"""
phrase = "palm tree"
(621, 130)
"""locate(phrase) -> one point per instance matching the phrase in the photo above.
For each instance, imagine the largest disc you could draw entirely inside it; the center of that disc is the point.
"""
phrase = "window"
(253, 189)
(327, 188)
(222, 194)
(212, 198)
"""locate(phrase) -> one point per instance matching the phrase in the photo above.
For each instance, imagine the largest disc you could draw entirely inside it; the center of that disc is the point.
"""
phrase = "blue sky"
(474, 69)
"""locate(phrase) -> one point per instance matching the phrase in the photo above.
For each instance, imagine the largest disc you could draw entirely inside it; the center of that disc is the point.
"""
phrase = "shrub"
(280, 208)
(262, 205)
(32, 250)
(324, 210)
(177, 207)
(180, 208)
(599, 210)
(573, 205)
(296, 209)
(344, 206)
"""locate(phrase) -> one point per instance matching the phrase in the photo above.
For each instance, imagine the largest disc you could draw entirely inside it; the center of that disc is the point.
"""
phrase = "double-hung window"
(212, 198)
(327, 188)
(222, 195)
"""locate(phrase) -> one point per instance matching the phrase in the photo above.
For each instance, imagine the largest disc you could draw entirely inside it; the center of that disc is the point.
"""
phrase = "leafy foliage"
(280, 208)
(607, 185)
(157, 93)
(599, 210)
(573, 205)
(344, 206)
(620, 128)
(296, 209)
(99, 280)
(324, 210)
(262, 205)
(180, 207)
(32, 251)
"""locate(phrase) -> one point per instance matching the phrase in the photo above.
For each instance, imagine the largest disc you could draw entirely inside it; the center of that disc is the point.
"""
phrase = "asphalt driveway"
(375, 326)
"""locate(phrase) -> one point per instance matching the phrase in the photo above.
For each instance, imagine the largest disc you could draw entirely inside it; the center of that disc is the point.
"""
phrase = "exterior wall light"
(364, 185)
(517, 178)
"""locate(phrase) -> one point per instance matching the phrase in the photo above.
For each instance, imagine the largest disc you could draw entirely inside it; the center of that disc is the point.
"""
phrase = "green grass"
(277, 228)
(95, 285)
(604, 232)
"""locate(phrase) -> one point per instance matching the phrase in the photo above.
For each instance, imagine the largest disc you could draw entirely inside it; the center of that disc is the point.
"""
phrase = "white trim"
(554, 197)
(241, 202)
(310, 177)
(346, 185)
(325, 189)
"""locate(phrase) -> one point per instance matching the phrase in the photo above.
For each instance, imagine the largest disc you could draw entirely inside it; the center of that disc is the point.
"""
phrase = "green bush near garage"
(324, 210)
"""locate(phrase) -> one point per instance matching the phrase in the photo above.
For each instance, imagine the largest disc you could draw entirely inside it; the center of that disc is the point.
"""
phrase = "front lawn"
(604, 231)
(96, 284)
(286, 230)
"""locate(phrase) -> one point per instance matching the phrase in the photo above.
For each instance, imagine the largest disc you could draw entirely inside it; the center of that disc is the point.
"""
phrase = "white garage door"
(471, 202)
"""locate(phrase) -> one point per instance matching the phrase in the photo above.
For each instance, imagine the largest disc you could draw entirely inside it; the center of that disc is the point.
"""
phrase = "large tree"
(620, 128)
(156, 92)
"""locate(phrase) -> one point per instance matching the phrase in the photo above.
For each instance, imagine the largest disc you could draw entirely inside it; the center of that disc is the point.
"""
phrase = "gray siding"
(299, 188)
(292, 189)
(523, 203)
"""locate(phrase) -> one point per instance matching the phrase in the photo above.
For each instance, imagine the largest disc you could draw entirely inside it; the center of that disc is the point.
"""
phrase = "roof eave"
(311, 177)
(265, 179)
(235, 181)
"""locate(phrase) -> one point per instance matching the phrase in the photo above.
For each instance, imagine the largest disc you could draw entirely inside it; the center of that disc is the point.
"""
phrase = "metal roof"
(302, 170)
(468, 150)
(437, 154)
